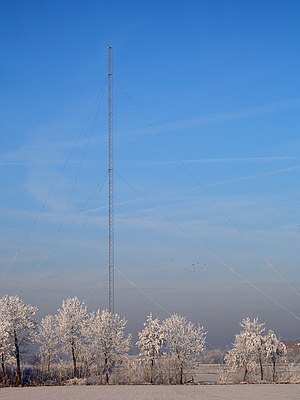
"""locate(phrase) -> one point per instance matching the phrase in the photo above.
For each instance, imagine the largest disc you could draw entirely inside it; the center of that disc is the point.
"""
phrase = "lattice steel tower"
(111, 282)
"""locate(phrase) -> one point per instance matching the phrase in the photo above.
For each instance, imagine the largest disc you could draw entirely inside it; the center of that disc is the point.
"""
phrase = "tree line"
(75, 344)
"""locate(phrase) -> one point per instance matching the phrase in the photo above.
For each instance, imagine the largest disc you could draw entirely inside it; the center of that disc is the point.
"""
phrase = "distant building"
(293, 346)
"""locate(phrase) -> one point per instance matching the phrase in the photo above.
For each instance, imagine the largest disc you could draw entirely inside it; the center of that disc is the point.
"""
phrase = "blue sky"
(207, 165)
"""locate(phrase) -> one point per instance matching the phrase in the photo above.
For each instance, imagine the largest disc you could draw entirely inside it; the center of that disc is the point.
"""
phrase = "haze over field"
(207, 164)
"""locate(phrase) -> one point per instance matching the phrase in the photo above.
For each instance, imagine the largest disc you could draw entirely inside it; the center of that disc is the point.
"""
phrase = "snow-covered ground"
(147, 392)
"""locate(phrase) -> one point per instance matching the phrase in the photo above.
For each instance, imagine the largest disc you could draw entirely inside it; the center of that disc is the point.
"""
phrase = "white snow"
(148, 392)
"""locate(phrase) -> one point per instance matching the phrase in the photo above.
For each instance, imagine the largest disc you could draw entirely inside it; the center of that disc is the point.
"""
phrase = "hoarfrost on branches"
(71, 324)
(97, 346)
(49, 338)
(6, 346)
(184, 340)
(150, 342)
(252, 349)
(275, 350)
(108, 340)
(247, 347)
(20, 328)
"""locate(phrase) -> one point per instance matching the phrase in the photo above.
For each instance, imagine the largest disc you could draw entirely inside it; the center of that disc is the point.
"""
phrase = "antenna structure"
(110, 188)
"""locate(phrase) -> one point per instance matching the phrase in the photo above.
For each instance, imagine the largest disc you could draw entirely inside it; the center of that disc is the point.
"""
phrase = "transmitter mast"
(110, 187)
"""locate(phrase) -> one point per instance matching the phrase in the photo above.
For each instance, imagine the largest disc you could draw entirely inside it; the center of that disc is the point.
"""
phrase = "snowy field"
(228, 392)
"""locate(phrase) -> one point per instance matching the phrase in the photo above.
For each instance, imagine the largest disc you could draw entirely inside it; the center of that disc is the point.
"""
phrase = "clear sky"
(207, 164)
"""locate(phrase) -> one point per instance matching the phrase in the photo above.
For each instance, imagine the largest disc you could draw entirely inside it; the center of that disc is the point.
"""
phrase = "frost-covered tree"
(49, 338)
(5, 342)
(255, 340)
(107, 338)
(184, 340)
(71, 324)
(248, 348)
(20, 328)
(275, 350)
(150, 342)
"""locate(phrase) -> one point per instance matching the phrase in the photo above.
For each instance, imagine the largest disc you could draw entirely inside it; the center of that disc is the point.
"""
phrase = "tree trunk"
(261, 369)
(245, 374)
(106, 370)
(17, 353)
(274, 370)
(74, 362)
(151, 371)
(181, 374)
(3, 368)
(48, 364)
(181, 367)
